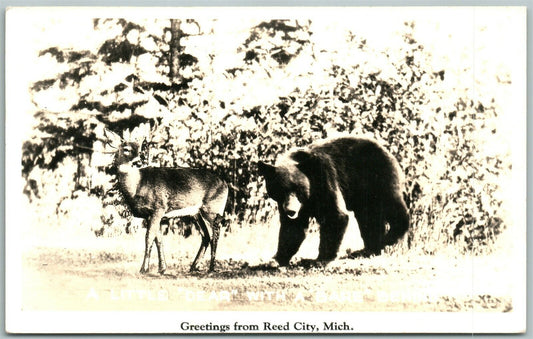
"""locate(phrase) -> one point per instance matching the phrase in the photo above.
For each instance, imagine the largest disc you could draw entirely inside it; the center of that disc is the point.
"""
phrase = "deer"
(153, 193)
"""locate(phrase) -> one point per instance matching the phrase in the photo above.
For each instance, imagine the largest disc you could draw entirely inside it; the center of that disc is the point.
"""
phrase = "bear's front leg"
(291, 236)
(332, 230)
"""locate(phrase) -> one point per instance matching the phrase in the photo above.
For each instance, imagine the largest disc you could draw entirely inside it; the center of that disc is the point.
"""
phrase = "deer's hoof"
(143, 270)
(162, 270)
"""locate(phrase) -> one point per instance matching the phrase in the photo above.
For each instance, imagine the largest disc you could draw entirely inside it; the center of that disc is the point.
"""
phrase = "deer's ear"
(265, 170)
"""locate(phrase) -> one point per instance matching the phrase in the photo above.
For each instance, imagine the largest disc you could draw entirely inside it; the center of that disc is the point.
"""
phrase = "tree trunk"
(175, 50)
(77, 184)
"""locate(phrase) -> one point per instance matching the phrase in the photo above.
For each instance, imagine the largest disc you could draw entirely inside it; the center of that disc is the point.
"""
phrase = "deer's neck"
(129, 179)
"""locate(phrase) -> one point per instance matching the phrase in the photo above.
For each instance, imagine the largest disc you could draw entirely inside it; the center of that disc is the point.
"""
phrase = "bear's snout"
(292, 206)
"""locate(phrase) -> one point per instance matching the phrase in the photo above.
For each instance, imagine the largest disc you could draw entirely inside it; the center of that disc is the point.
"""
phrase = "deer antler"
(109, 136)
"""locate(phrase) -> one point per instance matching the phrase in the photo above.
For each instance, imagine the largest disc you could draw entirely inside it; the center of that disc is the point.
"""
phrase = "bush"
(437, 133)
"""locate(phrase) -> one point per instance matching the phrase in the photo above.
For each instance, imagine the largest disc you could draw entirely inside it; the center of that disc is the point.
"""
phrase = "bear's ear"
(303, 157)
(265, 170)
(308, 162)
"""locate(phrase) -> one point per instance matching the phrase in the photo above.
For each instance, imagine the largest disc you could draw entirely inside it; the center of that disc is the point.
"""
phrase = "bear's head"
(287, 184)
(299, 182)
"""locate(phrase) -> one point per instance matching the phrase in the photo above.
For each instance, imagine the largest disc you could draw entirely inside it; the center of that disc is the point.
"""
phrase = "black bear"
(327, 180)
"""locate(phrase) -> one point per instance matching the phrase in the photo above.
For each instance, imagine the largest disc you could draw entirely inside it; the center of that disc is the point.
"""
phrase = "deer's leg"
(205, 240)
(215, 226)
(153, 228)
(160, 252)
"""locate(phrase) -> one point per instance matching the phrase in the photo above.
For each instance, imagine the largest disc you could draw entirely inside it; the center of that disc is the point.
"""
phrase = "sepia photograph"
(266, 170)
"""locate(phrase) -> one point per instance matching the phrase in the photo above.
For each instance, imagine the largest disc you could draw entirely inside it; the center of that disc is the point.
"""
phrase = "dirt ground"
(56, 278)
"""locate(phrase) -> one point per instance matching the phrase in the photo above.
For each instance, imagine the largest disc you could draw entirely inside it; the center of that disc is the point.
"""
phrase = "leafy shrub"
(273, 100)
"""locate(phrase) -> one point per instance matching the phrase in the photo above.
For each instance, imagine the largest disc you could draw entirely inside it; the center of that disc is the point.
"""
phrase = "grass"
(66, 267)
(65, 277)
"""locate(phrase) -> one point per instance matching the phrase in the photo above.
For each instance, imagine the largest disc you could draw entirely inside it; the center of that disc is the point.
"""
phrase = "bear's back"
(361, 164)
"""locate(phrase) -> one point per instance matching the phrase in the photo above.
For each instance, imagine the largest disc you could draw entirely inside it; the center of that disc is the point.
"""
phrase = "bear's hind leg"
(398, 218)
(371, 224)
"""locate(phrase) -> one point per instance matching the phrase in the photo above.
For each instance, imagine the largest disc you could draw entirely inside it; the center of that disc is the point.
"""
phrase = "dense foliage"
(278, 91)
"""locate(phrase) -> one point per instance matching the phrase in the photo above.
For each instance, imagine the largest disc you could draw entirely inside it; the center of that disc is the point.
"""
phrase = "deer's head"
(128, 152)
